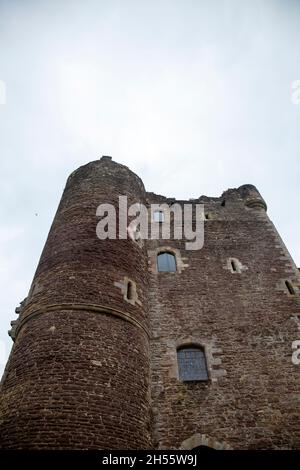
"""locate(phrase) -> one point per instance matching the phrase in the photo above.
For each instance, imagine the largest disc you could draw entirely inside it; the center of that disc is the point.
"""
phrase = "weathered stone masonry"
(92, 368)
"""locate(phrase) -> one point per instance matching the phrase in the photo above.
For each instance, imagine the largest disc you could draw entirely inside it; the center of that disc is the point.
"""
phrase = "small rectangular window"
(191, 364)
(159, 216)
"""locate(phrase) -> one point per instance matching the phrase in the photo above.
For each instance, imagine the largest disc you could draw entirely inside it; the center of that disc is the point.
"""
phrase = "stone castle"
(146, 345)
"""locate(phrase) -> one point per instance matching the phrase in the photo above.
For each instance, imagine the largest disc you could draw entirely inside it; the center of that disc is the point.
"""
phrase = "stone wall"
(245, 322)
(94, 369)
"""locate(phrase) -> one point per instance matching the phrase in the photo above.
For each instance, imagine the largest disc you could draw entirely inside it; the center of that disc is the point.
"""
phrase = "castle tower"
(78, 374)
(235, 304)
(122, 344)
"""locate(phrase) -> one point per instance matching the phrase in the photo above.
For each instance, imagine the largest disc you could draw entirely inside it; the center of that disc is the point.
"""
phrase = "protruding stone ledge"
(88, 307)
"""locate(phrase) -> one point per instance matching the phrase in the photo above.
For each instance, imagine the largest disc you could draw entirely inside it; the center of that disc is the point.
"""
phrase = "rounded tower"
(78, 373)
(252, 197)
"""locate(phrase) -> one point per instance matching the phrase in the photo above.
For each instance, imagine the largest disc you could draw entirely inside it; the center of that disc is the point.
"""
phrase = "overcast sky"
(194, 96)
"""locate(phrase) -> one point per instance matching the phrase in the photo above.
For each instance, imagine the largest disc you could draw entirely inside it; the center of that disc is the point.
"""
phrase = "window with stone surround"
(166, 262)
(180, 263)
(130, 291)
(290, 287)
(234, 265)
(192, 364)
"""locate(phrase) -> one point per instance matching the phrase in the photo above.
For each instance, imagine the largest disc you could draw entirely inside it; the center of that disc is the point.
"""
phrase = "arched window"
(203, 448)
(166, 262)
(191, 363)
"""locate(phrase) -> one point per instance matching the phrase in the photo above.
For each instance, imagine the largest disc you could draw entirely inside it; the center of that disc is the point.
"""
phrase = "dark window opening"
(192, 364)
(166, 262)
(129, 292)
(233, 266)
(290, 287)
(223, 203)
(203, 448)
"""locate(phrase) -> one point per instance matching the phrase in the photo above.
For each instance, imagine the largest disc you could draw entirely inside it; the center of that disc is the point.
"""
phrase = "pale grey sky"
(194, 96)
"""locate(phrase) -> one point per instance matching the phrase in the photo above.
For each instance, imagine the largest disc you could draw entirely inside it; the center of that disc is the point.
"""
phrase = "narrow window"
(233, 266)
(192, 364)
(166, 262)
(290, 287)
(159, 216)
(223, 203)
(129, 292)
